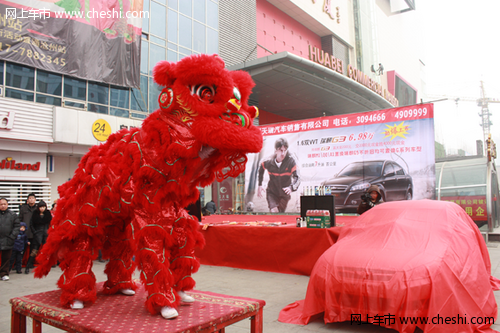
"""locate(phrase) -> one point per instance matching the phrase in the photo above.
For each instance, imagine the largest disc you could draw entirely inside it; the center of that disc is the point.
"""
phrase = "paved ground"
(277, 290)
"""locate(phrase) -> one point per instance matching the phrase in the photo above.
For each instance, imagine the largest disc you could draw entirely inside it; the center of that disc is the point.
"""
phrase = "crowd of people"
(28, 230)
(21, 233)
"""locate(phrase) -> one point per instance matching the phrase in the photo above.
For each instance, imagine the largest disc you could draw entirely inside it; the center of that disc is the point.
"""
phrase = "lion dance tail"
(46, 258)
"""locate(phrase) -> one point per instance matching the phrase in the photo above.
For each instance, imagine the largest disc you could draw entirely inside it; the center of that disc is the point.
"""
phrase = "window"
(158, 22)
(185, 31)
(48, 83)
(399, 170)
(389, 170)
(172, 26)
(19, 94)
(154, 92)
(199, 10)
(45, 99)
(139, 97)
(120, 97)
(185, 7)
(19, 76)
(97, 108)
(199, 37)
(98, 93)
(75, 88)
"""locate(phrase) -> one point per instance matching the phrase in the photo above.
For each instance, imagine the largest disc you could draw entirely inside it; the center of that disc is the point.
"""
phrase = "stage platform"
(269, 243)
(119, 313)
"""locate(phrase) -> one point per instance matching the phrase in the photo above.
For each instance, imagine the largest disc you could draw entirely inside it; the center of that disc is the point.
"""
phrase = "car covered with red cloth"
(404, 265)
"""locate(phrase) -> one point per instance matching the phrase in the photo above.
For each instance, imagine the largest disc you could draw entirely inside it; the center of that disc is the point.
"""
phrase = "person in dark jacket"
(9, 229)
(211, 207)
(18, 249)
(25, 212)
(370, 199)
(40, 221)
(283, 177)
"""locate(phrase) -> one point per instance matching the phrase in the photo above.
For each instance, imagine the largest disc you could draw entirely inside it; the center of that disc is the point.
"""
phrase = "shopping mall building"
(309, 58)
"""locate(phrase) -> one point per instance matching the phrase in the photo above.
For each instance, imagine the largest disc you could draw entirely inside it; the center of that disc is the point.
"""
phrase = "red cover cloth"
(281, 249)
(404, 259)
(288, 249)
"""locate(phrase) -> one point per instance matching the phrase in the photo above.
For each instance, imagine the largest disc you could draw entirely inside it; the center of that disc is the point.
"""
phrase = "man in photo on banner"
(283, 177)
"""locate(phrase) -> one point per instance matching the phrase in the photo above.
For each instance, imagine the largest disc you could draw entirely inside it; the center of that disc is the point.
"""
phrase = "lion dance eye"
(237, 94)
(204, 92)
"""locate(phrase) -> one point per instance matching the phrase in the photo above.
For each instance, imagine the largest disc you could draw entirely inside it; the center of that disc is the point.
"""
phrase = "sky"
(461, 41)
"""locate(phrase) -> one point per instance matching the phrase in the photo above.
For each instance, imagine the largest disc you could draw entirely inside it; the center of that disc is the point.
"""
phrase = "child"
(19, 247)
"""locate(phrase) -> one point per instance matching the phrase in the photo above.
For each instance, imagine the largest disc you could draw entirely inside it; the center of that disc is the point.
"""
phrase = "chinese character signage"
(343, 156)
(97, 40)
(474, 206)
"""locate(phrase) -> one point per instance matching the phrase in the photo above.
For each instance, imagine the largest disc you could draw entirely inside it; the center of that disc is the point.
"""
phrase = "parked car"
(355, 178)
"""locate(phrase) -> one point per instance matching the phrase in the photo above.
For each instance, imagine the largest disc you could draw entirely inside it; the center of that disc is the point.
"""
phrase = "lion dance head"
(213, 103)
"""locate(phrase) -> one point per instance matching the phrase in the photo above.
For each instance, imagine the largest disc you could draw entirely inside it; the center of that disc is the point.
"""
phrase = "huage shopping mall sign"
(323, 58)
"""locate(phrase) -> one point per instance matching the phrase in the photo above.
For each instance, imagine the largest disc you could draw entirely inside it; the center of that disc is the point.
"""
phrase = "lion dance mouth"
(234, 116)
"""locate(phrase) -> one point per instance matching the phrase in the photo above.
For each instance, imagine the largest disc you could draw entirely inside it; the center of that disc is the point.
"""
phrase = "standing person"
(25, 212)
(40, 221)
(211, 207)
(9, 228)
(18, 250)
(283, 177)
(370, 199)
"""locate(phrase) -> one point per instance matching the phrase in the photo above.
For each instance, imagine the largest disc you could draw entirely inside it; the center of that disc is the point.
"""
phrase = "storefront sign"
(360, 77)
(323, 58)
(474, 206)
(101, 129)
(7, 122)
(329, 9)
(9, 163)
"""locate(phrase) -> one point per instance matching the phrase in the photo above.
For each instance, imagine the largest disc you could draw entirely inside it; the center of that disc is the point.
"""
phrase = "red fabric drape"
(421, 258)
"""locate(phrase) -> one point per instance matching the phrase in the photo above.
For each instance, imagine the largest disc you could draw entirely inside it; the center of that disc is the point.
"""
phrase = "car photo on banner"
(355, 178)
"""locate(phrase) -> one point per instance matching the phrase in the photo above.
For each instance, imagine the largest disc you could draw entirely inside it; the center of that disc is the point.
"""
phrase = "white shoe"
(77, 305)
(169, 313)
(5, 278)
(128, 292)
(185, 297)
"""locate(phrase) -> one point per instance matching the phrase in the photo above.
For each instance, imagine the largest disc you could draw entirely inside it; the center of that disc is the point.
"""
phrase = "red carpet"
(120, 313)
(269, 243)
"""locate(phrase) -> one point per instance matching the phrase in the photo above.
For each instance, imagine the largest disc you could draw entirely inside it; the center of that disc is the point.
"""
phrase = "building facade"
(309, 58)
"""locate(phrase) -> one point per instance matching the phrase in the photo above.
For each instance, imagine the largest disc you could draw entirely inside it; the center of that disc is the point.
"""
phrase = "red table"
(287, 249)
(119, 313)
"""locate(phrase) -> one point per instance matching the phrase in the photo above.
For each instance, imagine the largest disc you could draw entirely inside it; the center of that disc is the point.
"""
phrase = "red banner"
(413, 112)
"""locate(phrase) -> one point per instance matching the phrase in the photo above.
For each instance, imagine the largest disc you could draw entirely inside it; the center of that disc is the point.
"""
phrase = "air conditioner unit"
(1, 91)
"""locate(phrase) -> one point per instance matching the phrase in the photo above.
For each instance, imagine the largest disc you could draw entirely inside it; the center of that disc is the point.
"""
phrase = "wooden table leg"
(17, 322)
(257, 322)
(37, 326)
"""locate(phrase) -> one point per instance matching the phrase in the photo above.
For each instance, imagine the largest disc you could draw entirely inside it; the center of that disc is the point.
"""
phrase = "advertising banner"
(96, 40)
(342, 156)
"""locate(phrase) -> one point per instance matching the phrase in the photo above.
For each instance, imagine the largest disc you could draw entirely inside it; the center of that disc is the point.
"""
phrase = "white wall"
(399, 44)
(64, 169)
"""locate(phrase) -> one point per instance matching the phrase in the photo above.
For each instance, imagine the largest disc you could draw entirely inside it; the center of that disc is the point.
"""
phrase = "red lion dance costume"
(127, 196)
